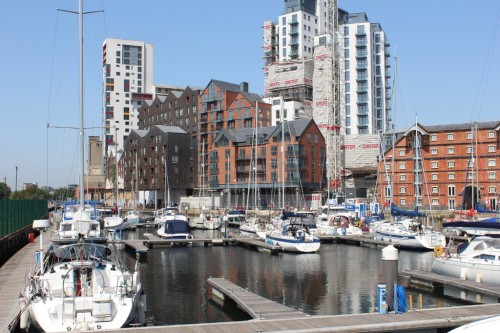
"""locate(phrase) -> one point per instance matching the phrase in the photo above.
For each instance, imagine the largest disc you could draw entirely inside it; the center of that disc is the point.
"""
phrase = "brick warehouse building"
(252, 159)
(446, 166)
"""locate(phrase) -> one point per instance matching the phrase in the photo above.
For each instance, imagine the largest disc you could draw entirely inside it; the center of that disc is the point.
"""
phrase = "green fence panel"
(17, 214)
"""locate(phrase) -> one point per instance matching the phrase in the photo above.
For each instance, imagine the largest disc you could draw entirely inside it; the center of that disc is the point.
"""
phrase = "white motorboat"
(207, 220)
(115, 223)
(293, 238)
(169, 213)
(337, 226)
(235, 218)
(174, 229)
(408, 233)
(330, 212)
(133, 217)
(488, 325)
(73, 218)
(478, 260)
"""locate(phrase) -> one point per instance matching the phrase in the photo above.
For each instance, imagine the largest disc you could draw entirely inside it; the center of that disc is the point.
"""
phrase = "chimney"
(244, 86)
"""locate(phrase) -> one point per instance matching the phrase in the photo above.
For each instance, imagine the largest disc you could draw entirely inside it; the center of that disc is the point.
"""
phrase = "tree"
(4, 191)
(63, 193)
(31, 193)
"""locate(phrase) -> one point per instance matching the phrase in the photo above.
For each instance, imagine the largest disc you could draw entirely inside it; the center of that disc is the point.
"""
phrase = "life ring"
(438, 251)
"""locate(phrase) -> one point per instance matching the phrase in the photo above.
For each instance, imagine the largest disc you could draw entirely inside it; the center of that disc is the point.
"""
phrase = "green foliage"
(31, 193)
(5, 191)
(63, 194)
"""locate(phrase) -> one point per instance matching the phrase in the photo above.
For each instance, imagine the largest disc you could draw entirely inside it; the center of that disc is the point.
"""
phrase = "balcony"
(361, 66)
(361, 54)
(214, 171)
(360, 32)
(362, 77)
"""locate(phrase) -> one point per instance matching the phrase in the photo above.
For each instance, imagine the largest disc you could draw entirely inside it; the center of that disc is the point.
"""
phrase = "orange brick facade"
(461, 165)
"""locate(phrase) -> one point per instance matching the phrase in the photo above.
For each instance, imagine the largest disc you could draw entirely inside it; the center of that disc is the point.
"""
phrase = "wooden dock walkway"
(256, 306)
(430, 279)
(152, 241)
(12, 280)
(260, 244)
(137, 246)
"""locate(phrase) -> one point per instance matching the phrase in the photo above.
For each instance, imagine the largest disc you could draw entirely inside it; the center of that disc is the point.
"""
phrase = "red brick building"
(250, 160)
(446, 166)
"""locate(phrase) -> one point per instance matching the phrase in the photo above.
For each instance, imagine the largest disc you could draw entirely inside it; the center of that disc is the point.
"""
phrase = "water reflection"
(341, 279)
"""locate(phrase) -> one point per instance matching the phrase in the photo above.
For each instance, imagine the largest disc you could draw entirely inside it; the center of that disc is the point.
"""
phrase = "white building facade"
(297, 59)
(128, 81)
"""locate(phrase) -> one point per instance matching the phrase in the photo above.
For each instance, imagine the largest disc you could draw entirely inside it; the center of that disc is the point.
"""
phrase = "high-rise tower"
(128, 81)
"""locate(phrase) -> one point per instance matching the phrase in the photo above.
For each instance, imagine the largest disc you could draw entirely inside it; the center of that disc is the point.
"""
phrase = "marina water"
(340, 279)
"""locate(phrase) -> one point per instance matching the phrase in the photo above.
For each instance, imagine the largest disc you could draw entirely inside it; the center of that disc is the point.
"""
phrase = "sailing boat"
(115, 222)
(291, 234)
(208, 219)
(81, 285)
(408, 231)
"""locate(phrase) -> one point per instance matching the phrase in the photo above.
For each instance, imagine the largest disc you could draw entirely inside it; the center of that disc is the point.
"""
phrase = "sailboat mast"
(283, 154)
(82, 133)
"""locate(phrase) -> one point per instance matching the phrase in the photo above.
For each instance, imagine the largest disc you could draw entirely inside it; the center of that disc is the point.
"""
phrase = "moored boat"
(478, 260)
(174, 229)
(294, 238)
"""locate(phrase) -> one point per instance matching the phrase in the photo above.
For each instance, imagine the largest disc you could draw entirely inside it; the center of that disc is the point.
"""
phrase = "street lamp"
(16, 179)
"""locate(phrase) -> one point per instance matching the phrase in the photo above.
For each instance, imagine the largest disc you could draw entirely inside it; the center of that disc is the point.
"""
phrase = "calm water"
(341, 279)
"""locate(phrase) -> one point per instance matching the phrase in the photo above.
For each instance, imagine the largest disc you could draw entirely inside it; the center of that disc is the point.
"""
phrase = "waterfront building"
(157, 161)
(128, 81)
(447, 167)
(95, 182)
(249, 161)
(223, 105)
(298, 71)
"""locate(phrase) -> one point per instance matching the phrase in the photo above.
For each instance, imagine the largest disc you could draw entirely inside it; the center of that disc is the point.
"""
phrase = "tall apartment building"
(128, 81)
(224, 105)
(295, 57)
(447, 167)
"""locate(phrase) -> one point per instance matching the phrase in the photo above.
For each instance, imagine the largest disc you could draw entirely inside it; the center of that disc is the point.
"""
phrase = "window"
(435, 201)
(492, 163)
(434, 165)
(451, 190)
(402, 202)
(491, 135)
(402, 189)
(491, 175)
(434, 151)
(491, 149)
(402, 152)
(435, 189)
(470, 175)
(402, 177)
(388, 166)
(402, 165)
(492, 189)
(387, 191)
(434, 137)
(469, 149)
(451, 204)
(451, 176)
(470, 136)
(451, 164)
(451, 150)
(450, 136)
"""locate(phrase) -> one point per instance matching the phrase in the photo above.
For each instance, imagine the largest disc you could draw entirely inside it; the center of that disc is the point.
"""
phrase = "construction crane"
(334, 161)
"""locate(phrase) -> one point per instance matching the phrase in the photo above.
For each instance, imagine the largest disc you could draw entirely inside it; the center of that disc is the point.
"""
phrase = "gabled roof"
(225, 85)
(462, 126)
(252, 97)
(170, 129)
(240, 136)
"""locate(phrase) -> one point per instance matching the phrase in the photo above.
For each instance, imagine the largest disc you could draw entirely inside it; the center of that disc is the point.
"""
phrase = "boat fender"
(24, 314)
(438, 251)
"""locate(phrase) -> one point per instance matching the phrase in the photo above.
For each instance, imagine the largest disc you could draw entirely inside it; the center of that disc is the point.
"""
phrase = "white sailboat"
(208, 219)
(115, 222)
(81, 285)
(408, 231)
(292, 237)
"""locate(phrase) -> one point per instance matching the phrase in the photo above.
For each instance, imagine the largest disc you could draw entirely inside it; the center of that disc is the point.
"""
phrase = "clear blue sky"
(448, 54)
